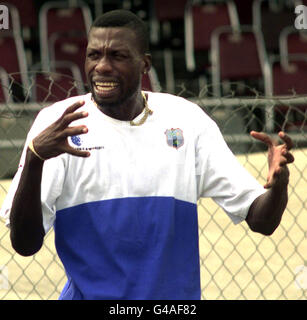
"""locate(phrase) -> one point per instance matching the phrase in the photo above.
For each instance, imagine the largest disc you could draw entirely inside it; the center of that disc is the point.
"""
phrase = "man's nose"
(104, 65)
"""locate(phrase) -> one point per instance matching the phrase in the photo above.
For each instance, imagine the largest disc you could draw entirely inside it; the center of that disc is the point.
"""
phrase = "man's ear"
(147, 60)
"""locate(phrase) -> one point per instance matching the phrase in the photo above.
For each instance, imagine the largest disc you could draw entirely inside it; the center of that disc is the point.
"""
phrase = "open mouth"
(105, 88)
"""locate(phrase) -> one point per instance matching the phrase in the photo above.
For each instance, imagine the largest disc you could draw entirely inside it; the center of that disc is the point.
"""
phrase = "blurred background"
(193, 43)
(242, 61)
(202, 50)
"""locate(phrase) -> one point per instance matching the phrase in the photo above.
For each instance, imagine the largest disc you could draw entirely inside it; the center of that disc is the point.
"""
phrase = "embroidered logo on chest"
(174, 138)
(77, 141)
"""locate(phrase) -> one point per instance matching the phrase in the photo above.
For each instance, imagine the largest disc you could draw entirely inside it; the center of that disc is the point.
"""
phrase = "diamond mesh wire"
(235, 262)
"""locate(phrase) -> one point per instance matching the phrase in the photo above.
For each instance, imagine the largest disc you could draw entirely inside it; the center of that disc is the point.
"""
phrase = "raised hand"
(53, 140)
(278, 157)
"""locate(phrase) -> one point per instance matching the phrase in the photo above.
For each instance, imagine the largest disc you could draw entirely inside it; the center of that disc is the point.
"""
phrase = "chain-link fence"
(235, 262)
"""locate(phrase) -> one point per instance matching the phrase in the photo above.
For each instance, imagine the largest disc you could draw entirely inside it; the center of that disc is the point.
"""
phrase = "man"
(118, 173)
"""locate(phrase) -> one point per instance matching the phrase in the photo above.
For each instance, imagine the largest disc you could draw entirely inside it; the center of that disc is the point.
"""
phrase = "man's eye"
(92, 55)
(119, 55)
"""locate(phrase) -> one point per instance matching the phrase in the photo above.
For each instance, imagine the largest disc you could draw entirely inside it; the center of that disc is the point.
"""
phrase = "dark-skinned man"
(118, 173)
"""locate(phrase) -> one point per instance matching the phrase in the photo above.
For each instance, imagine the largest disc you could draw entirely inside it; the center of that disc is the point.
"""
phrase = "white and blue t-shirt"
(125, 219)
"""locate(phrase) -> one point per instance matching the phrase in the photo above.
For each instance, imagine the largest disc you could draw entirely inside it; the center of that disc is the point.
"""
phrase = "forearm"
(266, 211)
(26, 222)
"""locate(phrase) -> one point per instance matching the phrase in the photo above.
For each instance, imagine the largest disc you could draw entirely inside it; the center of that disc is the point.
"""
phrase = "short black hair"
(126, 19)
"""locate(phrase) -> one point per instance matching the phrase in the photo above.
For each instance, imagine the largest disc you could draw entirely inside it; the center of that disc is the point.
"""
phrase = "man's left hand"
(278, 157)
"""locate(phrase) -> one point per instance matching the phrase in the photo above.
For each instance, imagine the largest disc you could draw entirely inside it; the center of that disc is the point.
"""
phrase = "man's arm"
(266, 211)
(26, 221)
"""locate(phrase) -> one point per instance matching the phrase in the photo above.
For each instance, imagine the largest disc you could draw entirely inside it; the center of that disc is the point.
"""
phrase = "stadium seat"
(27, 12)
(285, 80)
(13, 61)
(162, 14)
(165, 10)
(60, 17)
(14, 19)
(236, 55)
(200, 21)
(24, 22)
(62, 82)
(270, 17)
(292, 41)
(290, 79)
(4, 87)
(69, 47)
(166, 22)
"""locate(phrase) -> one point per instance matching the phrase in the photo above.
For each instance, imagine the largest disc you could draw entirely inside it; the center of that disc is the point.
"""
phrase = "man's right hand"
(26, 219)
(53, 140)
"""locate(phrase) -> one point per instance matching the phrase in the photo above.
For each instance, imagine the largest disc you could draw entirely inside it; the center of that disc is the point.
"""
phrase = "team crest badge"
(76, 140)
(174, 138)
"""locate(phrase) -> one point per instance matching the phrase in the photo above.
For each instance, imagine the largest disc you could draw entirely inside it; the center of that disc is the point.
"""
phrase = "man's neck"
(125, 111)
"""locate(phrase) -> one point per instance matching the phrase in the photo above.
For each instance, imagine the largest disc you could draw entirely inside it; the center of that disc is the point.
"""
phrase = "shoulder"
(56, 109)
(168, 100)
(50, 114)
(170, 103)
(170, 106)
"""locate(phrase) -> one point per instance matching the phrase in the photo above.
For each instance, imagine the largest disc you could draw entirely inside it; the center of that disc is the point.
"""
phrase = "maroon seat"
(289, 80)
(27, 12)
(166, 10)
(69, 47)
(63, 82)
(60, 18)
(271, 17)
(292, 41)
(4, 87)
(13, 61)
(200, 22)
(237, 56)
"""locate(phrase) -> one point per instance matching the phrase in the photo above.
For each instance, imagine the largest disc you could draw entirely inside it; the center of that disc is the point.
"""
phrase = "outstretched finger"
(70, 110)
(70, 114)
(72, 131)
(263, 137)
(69, 118)
(287, 140)
(74, 107)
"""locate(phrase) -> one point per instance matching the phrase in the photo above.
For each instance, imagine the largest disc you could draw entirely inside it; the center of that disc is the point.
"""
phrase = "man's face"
(114, 65)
